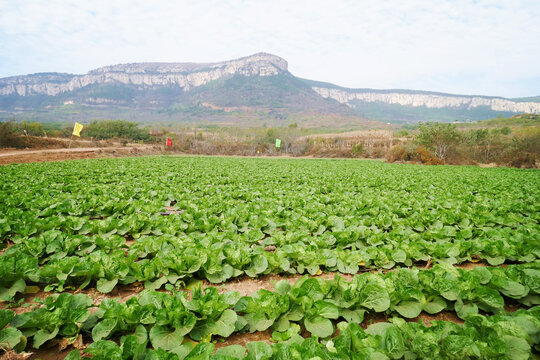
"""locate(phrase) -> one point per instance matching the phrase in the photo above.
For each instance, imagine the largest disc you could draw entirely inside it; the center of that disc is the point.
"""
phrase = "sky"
(484, 47)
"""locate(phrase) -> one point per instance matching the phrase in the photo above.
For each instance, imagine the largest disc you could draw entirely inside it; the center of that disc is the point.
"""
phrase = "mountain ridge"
(184, 75)
(260, 81)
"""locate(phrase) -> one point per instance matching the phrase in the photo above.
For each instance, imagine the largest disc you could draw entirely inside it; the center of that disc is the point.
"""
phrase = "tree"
(107, 129)
(438, 137)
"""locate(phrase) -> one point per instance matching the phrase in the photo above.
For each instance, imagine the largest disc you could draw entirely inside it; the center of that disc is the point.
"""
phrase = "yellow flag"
(77, 129)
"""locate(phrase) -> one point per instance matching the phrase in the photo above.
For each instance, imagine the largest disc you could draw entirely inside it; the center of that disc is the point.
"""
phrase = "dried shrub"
(520, 159)
(398, 153)
(423, 155)
(411, 153)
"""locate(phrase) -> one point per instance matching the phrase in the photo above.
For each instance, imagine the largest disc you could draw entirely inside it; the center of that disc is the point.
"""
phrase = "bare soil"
(41, 155)
(244, 339)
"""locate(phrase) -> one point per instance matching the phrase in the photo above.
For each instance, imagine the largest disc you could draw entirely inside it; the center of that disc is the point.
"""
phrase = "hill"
(520, 121)
(249, 91)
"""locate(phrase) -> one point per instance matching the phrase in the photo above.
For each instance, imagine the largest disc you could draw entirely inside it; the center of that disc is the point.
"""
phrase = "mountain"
(414, 105)
(252, 90)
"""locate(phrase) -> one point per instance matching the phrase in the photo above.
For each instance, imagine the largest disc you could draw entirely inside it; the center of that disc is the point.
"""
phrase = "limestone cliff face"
(428, 100)
(190, 75)
(183, 75)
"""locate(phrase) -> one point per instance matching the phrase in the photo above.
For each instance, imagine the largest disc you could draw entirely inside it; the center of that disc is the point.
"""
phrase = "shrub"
(423, 155)
(9, 137)
(357, 149)
(411, 153)
(398, 153)
(520, 159)
(108, 129)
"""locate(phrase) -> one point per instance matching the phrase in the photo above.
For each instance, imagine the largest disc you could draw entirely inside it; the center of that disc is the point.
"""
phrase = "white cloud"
(461, 46)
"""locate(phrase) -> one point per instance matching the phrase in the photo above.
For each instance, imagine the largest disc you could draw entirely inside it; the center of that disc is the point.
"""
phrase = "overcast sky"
(489, 47)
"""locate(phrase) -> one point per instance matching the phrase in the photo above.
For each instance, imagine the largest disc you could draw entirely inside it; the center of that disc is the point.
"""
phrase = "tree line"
(444, 143)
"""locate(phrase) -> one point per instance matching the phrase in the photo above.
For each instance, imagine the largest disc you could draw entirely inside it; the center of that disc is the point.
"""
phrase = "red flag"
(169, 142)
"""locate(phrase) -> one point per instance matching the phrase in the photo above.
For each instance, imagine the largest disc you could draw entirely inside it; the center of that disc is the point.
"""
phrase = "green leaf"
(490, 299)
(183, 350)
(258, 350)
(73, 355)
(8, 293)
(202, 351)
(42, 336)
(258, 265)
(326, 309)
(399, 256)
(225, 273)
(494, 261)
(465, 310)
(162, 337)
(153, 285)
(258, 321)
(409, 309)
(103, 329)
(141, 334)
(131, 348)
(319, 326)
(393, 343)
(511, 288)
(233, 351)
(375, 297)
(282, 287)
(518, 348)
(336, 223)
(355, 316)
(9, 338)
(226, 323)
(105, 349)
(5, 317)
(378, 328)
(436, 305)
(105, 286)
(202, 329)
(483, 274)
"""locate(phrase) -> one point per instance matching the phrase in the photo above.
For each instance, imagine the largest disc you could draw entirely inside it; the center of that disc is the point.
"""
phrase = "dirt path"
(30, 155)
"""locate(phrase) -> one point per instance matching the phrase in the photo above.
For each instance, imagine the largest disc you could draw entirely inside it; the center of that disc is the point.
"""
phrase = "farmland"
(357, 253)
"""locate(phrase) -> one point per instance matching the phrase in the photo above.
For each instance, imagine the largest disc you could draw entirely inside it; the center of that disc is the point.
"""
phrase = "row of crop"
(382, 247)
(507, 335)
(55, 259)
(313, 303)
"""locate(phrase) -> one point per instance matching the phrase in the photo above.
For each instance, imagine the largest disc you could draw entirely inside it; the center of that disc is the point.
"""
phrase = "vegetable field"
(137, 258)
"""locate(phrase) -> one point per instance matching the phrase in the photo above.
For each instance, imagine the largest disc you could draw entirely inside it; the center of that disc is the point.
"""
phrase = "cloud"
(487, 47)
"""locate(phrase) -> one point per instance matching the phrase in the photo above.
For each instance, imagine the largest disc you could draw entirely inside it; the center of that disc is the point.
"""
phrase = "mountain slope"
(410, 105)
(251, 90)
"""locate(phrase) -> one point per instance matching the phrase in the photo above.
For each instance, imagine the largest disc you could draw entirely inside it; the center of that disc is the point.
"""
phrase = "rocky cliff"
(433, 101)
(182, 75)
(253, 85)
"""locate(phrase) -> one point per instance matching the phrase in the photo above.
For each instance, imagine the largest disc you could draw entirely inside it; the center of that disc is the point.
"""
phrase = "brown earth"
(32, 155)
